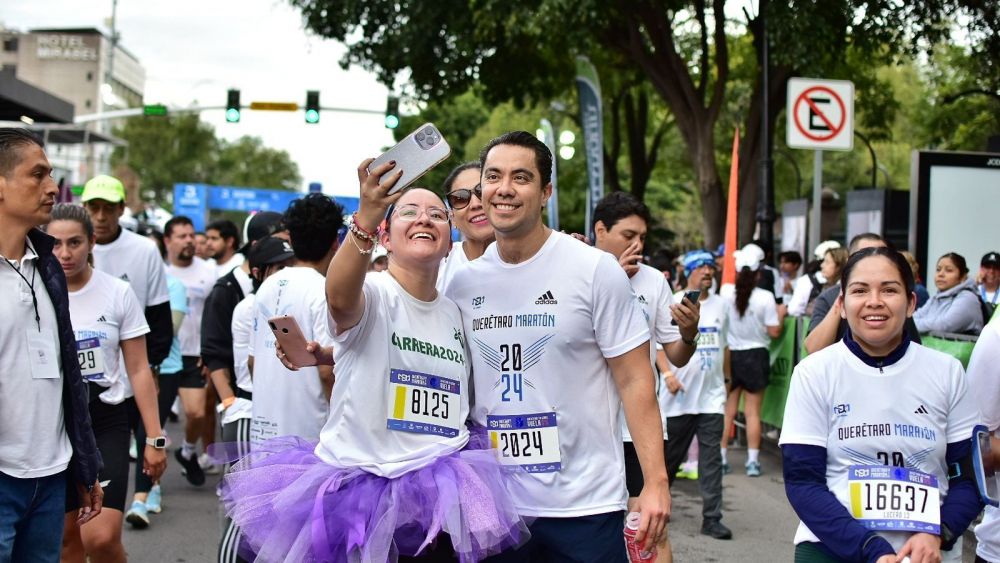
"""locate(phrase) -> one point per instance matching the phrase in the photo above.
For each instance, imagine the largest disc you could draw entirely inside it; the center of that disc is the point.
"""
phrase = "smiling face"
(28, 192)
(513, 194)
(72, 246)
(876, 305)
(416, 233)
(947, 274)
(471, 219)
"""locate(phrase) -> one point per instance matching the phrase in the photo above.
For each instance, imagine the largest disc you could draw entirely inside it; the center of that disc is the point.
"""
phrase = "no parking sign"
(820, 114)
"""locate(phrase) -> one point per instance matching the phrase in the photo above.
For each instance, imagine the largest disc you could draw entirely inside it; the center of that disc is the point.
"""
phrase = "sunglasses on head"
(461, 198)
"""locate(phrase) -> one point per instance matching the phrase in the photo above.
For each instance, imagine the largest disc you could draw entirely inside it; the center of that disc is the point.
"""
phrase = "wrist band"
(362, 232)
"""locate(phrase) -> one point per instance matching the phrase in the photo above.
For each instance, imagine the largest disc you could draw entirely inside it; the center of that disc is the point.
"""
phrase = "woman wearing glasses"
(396, 474)
(463, 194)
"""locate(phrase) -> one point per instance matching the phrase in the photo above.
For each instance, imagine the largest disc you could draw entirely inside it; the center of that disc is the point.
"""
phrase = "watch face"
(159, 443)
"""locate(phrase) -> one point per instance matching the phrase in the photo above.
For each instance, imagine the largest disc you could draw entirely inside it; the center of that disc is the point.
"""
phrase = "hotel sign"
(65, 47)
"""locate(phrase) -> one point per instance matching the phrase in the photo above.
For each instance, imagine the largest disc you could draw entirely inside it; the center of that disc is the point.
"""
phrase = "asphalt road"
(756, 510)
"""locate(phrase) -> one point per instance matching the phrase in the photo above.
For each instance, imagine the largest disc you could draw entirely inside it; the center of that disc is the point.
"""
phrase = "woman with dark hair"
(753, 318)
(396, 473)
(956, 306)
(460, 189)
(110, 331)
(876, 433)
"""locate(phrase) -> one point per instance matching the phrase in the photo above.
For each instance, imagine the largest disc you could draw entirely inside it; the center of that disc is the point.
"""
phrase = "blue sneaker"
(726, 469)
(153, 500)
(753, 469)
(137, 515)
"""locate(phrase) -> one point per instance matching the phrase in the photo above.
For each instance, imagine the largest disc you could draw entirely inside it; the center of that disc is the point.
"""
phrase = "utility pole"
(765, 200)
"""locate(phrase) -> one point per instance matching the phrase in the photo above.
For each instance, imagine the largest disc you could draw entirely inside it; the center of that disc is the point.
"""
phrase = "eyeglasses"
(461, 198)
(411, 212)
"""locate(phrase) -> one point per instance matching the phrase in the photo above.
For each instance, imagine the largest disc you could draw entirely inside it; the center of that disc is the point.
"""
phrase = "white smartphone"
(982, 462)
(416, 154)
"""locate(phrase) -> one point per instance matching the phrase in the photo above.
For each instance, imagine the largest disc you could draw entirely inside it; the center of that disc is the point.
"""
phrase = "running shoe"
(716, 529)
(191, 470)
(688, 470)
(137, 515)
(133, 451)
(726, 469)
(753, 469)
(207, 465)
(154, 500)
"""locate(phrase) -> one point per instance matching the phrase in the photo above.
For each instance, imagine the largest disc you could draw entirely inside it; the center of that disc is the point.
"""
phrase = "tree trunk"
(713, 203)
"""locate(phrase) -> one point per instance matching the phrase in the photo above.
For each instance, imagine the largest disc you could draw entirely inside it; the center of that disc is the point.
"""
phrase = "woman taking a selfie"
(108, 323)
(394, 474)
(877, 430)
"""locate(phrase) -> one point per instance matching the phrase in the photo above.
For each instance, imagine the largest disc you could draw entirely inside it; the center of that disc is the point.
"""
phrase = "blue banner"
(550, 141)
(195, 200)
(589, 89)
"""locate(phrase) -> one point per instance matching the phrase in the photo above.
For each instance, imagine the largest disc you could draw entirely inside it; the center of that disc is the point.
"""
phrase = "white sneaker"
(206, 463)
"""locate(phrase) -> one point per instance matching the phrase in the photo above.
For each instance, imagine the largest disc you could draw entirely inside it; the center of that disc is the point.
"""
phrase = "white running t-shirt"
(539, 334)
(455, 259)
(288, 402)
(908, 411)
(136, 260)
(242, 327)
(652, 292)
(750, 330)
(224, 268)
(984, 385)
(703, 378)
(402, 393)
(198, 279)
(104, 312)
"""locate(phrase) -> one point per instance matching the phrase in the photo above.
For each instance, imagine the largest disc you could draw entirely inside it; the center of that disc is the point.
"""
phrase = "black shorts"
(190, 375)
(633, 471)
(751, 369)
(111, 429)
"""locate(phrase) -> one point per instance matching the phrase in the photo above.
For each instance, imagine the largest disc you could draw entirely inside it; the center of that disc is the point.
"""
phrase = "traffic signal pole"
(138, 111)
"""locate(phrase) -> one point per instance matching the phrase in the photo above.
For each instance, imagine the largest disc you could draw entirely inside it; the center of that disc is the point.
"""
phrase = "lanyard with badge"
(885, 498)
(42, 355)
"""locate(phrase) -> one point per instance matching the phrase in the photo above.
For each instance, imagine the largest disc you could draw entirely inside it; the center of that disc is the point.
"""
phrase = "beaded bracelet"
(357, 229)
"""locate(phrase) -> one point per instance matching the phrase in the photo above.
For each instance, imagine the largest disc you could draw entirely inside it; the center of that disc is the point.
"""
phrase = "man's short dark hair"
(790, 256)
(618, 205)
(313, 222)
(227, 230)
(858, 239)
(176, 220)
(543, 157)
(12, 140)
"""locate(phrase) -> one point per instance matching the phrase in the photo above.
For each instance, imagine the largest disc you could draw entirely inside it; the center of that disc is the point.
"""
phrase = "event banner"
(589, 89)
(550, 141)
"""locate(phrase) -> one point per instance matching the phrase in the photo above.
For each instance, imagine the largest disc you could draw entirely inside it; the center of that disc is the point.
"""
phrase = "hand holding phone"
(293, 345)
(984, 465)
(692, 298)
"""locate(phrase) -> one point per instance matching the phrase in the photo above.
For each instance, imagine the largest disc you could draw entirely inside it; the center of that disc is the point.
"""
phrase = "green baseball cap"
(103, 187)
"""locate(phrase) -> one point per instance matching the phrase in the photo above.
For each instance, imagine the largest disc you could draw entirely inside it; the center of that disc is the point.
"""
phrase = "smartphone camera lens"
(284, 330)
(419, 137)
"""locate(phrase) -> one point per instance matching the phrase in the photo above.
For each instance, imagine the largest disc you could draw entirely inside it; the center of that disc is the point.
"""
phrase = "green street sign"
(154, 109)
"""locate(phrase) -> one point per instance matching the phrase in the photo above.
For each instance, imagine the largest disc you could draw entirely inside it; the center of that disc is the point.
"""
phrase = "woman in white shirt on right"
(754, 318)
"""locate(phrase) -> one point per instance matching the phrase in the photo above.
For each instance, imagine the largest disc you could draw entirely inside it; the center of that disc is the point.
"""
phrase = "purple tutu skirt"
(292, 506)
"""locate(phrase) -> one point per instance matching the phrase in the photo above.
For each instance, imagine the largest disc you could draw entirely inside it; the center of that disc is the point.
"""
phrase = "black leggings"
(168, 392)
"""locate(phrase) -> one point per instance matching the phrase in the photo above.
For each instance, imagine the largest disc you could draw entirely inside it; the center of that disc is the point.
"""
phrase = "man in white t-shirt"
(984, 385)
(558, 345)
(222, 239)
(295, 403)
(198, 277)
(132, 258)
(696, 395)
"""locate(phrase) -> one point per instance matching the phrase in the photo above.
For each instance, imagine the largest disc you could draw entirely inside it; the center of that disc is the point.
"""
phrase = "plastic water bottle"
(635, 551)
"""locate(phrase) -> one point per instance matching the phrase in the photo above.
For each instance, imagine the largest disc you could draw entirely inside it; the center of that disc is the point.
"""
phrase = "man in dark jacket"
(46, 440)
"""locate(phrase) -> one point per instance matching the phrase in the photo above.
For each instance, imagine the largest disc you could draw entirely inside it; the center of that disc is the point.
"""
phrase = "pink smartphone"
(292, 341)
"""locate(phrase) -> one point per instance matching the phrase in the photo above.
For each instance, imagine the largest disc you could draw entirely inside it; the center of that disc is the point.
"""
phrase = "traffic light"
(233, 106)
(392, 113)
(312, 106)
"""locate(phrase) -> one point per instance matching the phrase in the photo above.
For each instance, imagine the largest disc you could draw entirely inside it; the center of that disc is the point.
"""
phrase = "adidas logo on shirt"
(546, 299)
(642, 299)
(124, 277)
(921, 410)
(102, 319)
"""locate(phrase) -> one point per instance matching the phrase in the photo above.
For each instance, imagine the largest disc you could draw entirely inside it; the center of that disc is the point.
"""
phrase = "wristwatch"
(693, 342)
(159, 442)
